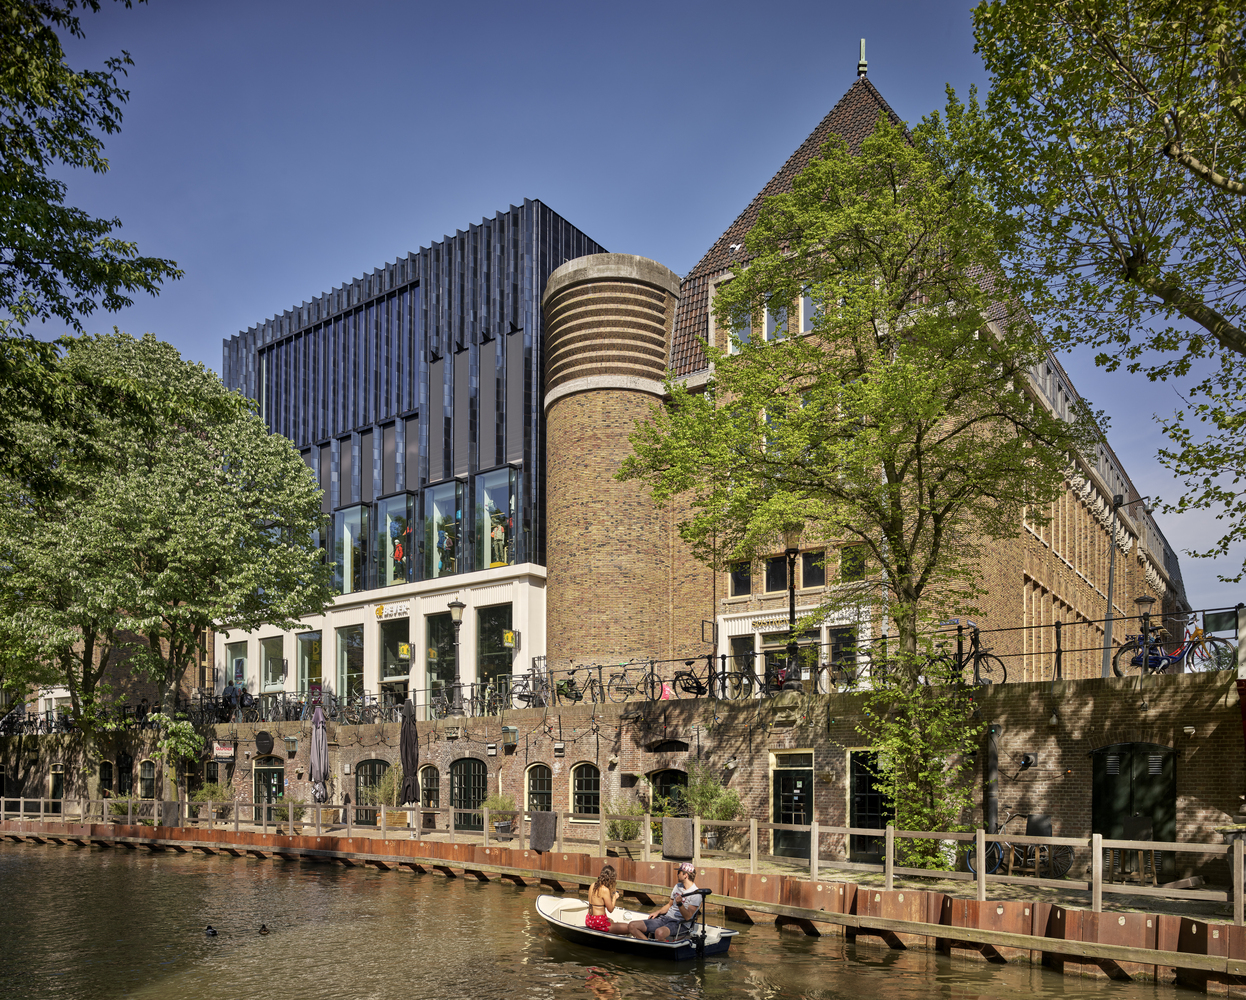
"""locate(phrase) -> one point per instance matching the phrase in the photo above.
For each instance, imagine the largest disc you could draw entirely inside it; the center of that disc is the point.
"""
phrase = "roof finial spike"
(862, 66)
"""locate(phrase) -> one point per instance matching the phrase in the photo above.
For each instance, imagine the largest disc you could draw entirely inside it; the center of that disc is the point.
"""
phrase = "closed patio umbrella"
(409, 754)
(318, 767)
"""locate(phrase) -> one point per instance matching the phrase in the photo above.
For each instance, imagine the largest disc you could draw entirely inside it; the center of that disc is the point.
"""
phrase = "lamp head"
(791, 536)
(456, 610)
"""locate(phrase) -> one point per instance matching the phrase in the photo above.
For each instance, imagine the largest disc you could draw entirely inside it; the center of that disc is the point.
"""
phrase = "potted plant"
(221, 797)
(502, 812)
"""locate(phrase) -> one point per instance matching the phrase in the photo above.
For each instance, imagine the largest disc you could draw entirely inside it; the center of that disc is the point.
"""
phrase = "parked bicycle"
(1060, 855)
(530, 691)
(978, 666)
(1200, 652)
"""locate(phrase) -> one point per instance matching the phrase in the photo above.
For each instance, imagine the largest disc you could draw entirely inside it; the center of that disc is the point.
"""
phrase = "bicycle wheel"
(1061, 860)
(991, 670)
(1211, 653)
(620, 687)
(738, 687)
(651, 687)
(939, 670)
(1123, 661)
(994, 855)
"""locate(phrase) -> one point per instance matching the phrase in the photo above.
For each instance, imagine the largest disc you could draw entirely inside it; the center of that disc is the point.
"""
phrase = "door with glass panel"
(793, 802)
(468, 780)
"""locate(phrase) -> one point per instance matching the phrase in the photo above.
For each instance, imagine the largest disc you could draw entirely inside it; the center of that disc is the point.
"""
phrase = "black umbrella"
(318, 766)
(409, 754)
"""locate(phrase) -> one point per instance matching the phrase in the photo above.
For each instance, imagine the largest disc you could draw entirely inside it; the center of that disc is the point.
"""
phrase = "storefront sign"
(510, 638)
(400, 610)
(222, 751)
(404, 650)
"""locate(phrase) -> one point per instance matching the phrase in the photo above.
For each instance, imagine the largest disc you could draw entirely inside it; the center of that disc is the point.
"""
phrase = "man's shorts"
(653, 923)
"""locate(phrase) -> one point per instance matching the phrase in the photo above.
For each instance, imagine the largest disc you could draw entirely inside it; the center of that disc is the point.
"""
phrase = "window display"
(496, 505)
(272, 656)
(493, 656)
(440, 652)
(350, 540)
(309, 660)
(443, 521)
(395, 649)
(394, 537)
(236, 663)
(350, 661)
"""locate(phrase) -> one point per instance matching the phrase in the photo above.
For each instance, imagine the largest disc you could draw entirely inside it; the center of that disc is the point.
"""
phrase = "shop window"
(272, 652)
(586, 789)
(350, 549)
(813, 569)
(540, 788)
(776, 573)
(350, 661)
(147, 779)
(774, 651)
(440, 670)
(742, 653)
(430, 787)
(236, 663)
(395, 649)
(852, 563)
(395, 534)
(496, 511)
(443, 522)
(741, 579)
(106, 779)
(310, 666)
(493, 656)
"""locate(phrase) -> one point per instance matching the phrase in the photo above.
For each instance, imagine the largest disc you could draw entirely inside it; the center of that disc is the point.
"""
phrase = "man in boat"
(681, 908)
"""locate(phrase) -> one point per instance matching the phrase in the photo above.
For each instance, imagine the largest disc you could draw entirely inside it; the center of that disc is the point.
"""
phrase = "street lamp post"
(1118, 501)
(791, 680)
(456, 616)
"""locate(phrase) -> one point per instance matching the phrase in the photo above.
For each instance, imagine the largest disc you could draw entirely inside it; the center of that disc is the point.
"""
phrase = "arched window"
(125, 774)
(430, 787)
(58, 786)
(540, 787)
(368, 775)
(468, 780)
(106, 778)
(586, 789)
(269, 776)
(670, 785)
(147, 779)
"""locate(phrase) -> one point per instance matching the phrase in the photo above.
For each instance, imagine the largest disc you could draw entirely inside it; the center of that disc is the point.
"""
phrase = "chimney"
(862, 66)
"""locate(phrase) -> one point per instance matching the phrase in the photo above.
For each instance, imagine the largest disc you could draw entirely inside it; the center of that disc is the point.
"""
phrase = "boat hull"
(566, 918)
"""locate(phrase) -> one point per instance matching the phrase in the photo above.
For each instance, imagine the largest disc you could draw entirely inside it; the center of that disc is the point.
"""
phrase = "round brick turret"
(608, 321)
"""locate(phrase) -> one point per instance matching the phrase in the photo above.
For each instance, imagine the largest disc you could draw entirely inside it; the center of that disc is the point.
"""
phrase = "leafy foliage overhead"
(56, 260)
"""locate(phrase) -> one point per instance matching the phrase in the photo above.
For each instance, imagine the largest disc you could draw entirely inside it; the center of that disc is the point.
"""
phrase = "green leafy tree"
(924, 738)
(200, 521)
(903, 419)
(1122, 151)
(56, 260)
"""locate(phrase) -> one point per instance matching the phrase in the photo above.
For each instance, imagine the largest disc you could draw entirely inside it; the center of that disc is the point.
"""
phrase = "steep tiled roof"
(852, 119)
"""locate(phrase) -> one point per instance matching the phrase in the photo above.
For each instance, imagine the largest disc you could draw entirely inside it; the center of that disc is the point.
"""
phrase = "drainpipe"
(990, 780)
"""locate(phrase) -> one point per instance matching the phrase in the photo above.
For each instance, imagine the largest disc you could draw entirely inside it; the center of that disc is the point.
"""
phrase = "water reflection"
(101, 924)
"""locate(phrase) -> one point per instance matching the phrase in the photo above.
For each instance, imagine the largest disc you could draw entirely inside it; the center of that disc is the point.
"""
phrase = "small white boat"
(565, 914)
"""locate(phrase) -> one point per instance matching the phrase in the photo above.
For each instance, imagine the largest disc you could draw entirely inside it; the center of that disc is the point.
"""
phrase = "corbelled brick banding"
(608, 320)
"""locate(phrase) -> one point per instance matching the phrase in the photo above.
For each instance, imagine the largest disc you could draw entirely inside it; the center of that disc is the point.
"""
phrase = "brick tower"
(608, 321)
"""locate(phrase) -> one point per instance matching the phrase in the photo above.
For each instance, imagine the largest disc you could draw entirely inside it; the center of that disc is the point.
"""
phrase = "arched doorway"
(670, 784)
(368, 775)
(469, 779)
(270, 783)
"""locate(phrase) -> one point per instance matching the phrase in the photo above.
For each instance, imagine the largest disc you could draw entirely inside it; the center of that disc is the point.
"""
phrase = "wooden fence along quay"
(1167, 947)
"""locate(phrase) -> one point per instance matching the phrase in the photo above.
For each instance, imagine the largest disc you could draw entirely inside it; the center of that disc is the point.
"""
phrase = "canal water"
(82, 924)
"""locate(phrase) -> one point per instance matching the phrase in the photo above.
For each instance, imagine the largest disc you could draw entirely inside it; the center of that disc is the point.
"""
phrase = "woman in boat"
(602, 897)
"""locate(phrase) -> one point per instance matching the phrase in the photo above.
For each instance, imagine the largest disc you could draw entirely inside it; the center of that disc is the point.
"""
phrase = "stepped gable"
(852, 119)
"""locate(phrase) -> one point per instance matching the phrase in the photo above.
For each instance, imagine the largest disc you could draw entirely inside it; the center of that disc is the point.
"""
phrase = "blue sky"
(276, 149)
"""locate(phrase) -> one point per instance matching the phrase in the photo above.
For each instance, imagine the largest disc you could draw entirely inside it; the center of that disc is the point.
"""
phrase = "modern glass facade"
(421, 380)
